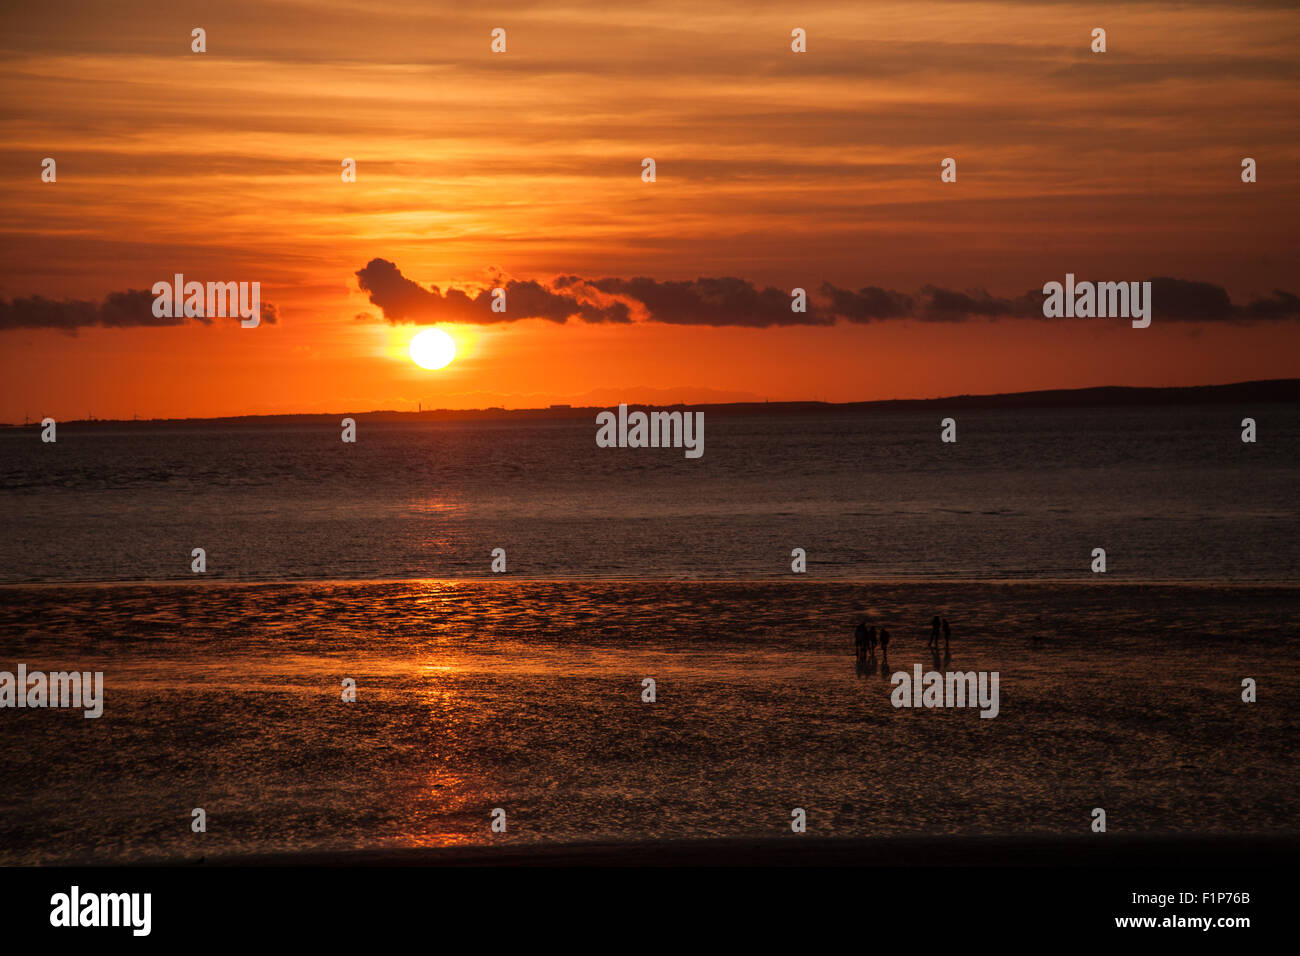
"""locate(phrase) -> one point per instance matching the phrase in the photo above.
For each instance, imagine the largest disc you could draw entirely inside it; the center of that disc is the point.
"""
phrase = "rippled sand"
(527, 696)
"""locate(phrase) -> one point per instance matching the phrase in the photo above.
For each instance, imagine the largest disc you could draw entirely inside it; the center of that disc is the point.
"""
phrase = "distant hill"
(1273, 390)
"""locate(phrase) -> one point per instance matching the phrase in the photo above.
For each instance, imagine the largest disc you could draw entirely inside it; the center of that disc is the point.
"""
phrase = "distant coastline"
(1267, 390)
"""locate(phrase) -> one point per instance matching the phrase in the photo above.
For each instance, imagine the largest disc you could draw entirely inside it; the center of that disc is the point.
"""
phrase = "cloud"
(721, 301)
(729, 301)
(118, 310)
(948, 305)
(1282, 305)
(867, 303)
(405, 301)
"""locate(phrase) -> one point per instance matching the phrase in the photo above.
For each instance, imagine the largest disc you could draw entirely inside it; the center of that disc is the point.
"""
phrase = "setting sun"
(433, 349)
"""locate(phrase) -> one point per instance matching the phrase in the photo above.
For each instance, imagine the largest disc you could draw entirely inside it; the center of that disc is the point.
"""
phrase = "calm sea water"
(523, 690)
(1171, 493)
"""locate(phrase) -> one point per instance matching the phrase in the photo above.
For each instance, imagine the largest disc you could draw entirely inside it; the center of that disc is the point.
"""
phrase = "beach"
(348, 675)
(528, 696)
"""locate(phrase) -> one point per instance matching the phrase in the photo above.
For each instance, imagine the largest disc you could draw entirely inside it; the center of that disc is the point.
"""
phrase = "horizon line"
(1277, 389)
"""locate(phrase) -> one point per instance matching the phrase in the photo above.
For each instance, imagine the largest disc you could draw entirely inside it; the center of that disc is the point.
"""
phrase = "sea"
(649, 665)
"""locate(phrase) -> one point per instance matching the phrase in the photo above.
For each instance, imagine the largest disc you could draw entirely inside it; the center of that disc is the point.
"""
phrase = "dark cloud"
(1282, 305)
(1194, 301)
(948, 305)
(1187, 301)
(723, 301)
(867, 303)
(403, 300)
(729, 301)
(118, 310)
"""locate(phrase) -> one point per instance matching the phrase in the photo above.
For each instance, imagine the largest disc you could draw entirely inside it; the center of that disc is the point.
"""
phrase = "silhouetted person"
(934, 633)
(871, 641)
(947, 633)
(860, 640)
(884, 642)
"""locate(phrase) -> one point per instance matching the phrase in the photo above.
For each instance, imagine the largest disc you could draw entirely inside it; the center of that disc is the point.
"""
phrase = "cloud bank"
(729, 301)
(118, 310)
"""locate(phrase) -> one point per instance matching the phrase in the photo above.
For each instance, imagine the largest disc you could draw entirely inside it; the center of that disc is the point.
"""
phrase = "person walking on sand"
(860, 640)
(884, 642)
(871, 641)
(934, 634)
(947, 633)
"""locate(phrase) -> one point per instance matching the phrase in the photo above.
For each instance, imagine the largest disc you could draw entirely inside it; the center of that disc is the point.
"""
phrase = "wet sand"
(1111, 849)
(528, 696)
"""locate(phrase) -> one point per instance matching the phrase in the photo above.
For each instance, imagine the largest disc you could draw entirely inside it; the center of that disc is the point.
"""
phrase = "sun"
(433, 349)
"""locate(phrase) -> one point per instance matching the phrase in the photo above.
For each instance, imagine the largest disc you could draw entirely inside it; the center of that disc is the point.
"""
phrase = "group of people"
(866, 638)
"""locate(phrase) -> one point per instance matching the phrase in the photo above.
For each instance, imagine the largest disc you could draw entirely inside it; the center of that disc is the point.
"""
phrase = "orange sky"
(778, 168)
